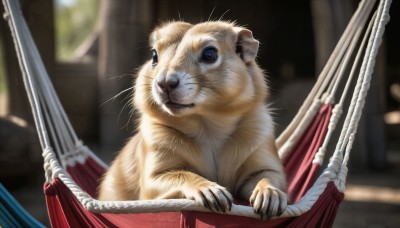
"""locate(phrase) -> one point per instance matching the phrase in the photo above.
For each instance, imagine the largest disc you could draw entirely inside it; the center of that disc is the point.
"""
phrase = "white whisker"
(114, 97)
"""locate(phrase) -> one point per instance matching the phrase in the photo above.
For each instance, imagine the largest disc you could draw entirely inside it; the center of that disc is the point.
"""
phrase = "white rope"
(320, 155)
(360, 93)
(349, 121)
(33, 100)
(338, 109)
(37, 81)
(375, 41)
(336, 113)
(143, 206)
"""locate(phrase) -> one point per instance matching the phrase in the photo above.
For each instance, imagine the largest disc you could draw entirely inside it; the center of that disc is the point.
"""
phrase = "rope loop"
(319, 156)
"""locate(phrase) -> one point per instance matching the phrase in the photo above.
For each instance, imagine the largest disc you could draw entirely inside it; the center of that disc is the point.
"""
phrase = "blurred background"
(92, 49)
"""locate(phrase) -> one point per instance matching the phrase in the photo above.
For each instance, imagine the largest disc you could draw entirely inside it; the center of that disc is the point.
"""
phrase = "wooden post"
(330, 18)
(124, 27)
(40, 19)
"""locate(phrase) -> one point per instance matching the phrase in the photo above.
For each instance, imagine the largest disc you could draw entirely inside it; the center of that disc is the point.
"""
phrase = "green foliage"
(73, 24)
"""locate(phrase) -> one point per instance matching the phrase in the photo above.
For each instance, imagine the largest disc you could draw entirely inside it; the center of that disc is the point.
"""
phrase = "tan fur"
(222, 145)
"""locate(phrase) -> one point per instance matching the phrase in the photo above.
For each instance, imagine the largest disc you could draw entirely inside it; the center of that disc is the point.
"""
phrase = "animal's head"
(200, 69)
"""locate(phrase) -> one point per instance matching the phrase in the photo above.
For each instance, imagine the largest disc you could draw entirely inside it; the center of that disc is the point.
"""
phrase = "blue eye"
(209, 55)
(154, 56)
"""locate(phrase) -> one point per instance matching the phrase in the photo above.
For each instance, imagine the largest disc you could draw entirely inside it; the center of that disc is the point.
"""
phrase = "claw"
(269, 216)
(280, 210)
(221, 205)
(205, 202)
(228, 199)
(253, 197)
(216, 206)
(268, 202)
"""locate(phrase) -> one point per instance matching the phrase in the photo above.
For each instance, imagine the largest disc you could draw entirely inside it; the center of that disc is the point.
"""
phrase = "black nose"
(168, 84)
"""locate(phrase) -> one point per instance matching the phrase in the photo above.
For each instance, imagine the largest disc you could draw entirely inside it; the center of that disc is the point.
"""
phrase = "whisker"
(114, 97)
(179, 15)
(208, 88)
(127, 96)
(223, 15)
(119, 76)
(142, 85)
(123, 108)
(212, 11)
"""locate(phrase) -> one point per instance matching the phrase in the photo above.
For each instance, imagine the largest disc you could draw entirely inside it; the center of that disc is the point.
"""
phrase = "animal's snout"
(168, 83)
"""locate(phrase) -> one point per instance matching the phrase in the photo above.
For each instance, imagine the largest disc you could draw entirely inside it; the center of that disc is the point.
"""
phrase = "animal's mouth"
(177, 106)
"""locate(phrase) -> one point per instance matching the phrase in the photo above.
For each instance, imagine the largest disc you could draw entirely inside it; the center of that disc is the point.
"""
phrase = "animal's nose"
(168, 83)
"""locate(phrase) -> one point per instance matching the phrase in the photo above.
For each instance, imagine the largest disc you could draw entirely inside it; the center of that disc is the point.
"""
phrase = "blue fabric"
(12, 214)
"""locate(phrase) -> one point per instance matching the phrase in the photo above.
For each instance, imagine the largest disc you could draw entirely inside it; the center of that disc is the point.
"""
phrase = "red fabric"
(145, 220)
(87, 175)
(65, 204)
(300, 171)
(208, 220)
(57, 216)
(323, 212)
(66, 211)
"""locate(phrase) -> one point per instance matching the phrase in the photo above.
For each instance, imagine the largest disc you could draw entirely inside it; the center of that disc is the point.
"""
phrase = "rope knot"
(6, 16)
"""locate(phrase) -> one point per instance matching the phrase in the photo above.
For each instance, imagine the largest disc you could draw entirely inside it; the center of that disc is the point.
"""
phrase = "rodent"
(205, 132)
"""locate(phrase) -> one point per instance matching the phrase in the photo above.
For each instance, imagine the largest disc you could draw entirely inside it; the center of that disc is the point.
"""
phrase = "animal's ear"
(246, 45)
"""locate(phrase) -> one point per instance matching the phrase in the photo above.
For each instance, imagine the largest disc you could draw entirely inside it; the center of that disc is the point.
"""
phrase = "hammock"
(12, 214)
(72, 171)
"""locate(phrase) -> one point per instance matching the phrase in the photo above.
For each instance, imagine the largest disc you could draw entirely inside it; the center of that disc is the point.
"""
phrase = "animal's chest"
(210, 153)
(211, 162)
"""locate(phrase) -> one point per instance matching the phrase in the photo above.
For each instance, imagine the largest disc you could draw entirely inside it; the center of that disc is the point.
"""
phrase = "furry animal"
(205, 132)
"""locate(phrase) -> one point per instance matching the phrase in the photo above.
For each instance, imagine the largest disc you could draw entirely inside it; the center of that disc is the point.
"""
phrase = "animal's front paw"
(268, 201)
(211, 195)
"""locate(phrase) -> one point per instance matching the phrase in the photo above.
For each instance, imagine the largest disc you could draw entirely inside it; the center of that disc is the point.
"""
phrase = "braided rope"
(9, 15)
(367, 68)
(55, 170)
(338, 109)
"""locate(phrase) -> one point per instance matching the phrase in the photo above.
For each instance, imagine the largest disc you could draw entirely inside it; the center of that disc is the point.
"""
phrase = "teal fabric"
(12, 214)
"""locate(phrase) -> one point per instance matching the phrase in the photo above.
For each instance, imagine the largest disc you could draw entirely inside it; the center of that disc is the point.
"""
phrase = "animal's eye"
(209, 55)
(154, 56)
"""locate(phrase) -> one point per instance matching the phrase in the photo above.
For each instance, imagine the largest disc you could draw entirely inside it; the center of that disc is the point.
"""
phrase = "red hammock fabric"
(66, 211)
(87, 175)
(301, 172)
